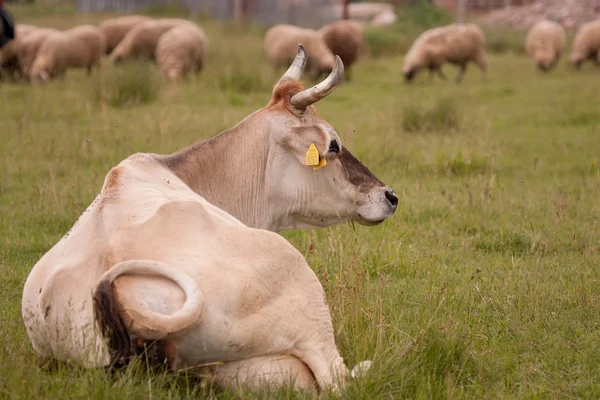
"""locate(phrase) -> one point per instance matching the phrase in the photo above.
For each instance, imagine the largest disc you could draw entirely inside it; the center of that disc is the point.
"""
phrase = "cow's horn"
(295, 70)
(309, 96)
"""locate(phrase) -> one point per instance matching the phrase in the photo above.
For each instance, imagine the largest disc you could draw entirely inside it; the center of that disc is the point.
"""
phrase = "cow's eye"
(334, 147)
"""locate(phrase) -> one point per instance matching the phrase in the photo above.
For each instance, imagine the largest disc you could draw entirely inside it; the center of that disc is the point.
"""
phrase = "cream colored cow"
(163, 263)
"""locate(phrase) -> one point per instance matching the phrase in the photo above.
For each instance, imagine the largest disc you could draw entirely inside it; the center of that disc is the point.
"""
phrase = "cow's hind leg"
(278, 371)
(129, 307)
(330, 372)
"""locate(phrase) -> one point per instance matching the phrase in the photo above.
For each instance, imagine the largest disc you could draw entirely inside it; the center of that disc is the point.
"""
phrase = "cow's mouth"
(368, 222)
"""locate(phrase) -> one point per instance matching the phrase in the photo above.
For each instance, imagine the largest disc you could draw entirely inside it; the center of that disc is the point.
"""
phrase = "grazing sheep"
(346, 39)
(141, 40)
(545, 43)
(366, 11)
(115, 29)
(29, 47)
(181, 50)
(9, 61)
(586, 44)
(386, 18)
(79, 47)
(281, 44)
(456, 43)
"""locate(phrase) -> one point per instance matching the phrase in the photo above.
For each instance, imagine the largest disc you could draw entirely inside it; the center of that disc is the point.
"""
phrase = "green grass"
(132, 84)
(484, 284)
(443, 116)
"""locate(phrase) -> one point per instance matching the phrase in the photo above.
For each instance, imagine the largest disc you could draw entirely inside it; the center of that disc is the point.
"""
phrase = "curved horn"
(295, 70)
(309, 96)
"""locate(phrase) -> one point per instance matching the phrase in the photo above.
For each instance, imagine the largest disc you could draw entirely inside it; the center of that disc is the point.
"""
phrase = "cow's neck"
(229, 172)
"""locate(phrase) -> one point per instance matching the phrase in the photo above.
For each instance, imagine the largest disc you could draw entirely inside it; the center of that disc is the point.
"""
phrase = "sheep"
(346, 39)
(455, 43)
(586, 44)
(141, 40)
(79, 47)
(115, 29)
(366, 11)
(181, 50)
(9, 61)
(383, 19)
(29, 47)
(545, 43)
(281, 44)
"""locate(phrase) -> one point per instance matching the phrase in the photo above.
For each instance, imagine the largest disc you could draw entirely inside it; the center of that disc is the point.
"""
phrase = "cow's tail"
(116, 321)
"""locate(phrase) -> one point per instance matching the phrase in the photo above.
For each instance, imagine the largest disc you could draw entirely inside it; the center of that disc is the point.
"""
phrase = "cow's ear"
(311, 144)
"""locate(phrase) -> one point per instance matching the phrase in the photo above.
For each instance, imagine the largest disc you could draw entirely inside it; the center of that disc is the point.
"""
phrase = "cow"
(178, 248)
(257, 170)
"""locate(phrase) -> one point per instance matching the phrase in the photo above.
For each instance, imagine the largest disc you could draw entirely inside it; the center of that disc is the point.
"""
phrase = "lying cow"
(166, 264)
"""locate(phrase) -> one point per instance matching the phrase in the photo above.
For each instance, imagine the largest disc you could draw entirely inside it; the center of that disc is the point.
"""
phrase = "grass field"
(484, 284)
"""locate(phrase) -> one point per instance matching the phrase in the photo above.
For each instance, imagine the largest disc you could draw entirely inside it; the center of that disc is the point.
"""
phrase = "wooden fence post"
(345, 14)
(460, 10)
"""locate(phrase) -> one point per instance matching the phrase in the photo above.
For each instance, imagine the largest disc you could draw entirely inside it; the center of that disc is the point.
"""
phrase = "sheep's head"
(174, 74)
(40, 70)
(545, 60)
(410, 74)
(116, 57)
(576, 59)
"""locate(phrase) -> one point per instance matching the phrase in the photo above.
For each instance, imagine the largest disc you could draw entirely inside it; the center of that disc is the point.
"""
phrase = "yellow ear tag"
(322, 163)
(312, 155)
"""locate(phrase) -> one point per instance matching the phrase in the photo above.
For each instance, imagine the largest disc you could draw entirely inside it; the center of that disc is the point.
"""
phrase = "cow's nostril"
(392, 198)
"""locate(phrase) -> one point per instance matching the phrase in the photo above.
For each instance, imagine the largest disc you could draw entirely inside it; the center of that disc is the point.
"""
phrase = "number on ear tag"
(312, 155)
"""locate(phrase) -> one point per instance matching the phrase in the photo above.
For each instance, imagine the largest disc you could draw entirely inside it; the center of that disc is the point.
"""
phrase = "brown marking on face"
(356, 173)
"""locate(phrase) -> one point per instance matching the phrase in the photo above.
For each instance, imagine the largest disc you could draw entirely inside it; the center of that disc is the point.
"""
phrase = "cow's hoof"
(361, 368)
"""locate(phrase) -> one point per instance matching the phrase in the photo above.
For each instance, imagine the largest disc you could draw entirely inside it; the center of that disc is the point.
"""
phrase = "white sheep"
(346, 39)
(29, 46)
(386, 18)
(115, 29)
(79, 47)
(181, 50)
(586, 45)
(9, 62)
(281, 45)
(141, 40)
(456, 44)
(545, 42)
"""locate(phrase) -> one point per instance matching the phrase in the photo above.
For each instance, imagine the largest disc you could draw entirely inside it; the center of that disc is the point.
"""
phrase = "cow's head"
(338, 187)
